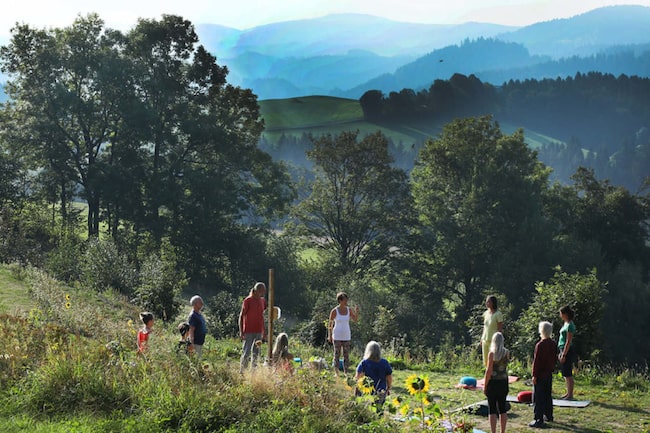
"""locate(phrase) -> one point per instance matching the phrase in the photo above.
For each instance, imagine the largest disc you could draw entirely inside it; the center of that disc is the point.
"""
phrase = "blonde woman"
(496, 382)
(492, 322)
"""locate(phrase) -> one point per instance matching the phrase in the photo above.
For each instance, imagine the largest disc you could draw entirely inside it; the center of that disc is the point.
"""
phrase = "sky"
(244, 14)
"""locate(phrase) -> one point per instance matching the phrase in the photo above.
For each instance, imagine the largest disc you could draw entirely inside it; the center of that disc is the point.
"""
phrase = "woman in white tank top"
(338, 330)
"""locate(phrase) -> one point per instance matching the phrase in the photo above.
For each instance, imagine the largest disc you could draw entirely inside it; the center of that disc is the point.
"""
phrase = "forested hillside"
(598, 120)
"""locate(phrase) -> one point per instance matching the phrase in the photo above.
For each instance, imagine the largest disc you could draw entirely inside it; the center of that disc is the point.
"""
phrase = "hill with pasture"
(289, 122)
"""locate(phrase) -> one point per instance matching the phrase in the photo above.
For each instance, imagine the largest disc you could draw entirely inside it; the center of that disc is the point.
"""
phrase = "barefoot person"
(566, 352)
(492, 322)
(338, 330)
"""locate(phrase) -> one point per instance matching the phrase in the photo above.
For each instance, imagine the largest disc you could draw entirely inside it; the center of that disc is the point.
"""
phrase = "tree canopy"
(359, 202)
(143, 127)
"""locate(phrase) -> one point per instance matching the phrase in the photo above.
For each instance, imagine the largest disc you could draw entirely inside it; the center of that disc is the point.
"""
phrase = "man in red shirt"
(543, 366)
(251, 325)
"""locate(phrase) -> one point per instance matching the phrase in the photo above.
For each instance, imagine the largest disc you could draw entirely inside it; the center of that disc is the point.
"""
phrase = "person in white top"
(338, 330)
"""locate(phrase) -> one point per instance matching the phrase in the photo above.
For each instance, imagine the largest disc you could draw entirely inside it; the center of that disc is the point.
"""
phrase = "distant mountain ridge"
(339, 33)
(345, 54)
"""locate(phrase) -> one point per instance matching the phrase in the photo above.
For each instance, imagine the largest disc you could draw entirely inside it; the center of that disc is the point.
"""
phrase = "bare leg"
(504, 420)
(569, 387)
(493, 422)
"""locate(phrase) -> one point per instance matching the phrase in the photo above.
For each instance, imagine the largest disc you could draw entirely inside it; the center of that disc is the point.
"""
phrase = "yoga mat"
(556, 402)
(570, 403)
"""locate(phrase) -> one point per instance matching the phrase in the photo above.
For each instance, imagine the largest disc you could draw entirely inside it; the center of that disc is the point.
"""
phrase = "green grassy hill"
(325, 114)
(322, 115)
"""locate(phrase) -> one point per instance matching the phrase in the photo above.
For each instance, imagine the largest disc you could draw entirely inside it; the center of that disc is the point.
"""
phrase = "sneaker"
(536, 424)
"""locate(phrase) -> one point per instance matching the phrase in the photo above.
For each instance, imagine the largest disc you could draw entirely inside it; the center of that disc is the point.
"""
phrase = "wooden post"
(269, 334)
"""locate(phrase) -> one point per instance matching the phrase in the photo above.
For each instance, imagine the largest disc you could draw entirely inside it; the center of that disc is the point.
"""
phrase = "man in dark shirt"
(543, 366)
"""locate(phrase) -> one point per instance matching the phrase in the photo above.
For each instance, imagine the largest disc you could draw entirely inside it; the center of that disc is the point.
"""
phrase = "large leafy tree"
(67, 85)
(146, 128)
(359, 203)
(478, 196)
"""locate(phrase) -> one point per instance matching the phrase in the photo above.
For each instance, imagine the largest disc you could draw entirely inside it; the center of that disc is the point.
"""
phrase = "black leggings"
(497, 392)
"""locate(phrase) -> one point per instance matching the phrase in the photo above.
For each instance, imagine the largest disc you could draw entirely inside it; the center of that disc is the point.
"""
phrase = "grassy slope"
(14, 297)
(325, 114)
(319, 115)
(619, 402)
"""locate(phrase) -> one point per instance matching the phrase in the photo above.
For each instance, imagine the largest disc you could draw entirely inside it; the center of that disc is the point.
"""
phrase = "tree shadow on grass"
(621, 408)
(572, 428)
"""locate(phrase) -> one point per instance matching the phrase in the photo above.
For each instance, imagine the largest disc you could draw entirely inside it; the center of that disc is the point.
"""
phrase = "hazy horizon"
(245, 14)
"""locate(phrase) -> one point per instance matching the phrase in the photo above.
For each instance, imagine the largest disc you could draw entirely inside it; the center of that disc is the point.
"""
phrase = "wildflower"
(404, 409)
(397, 401)
(67, 296)
(416, 384)
(365, 385)
(68, 305)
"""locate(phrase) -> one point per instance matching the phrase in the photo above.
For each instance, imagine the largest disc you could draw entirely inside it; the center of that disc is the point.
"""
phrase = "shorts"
(567, 367)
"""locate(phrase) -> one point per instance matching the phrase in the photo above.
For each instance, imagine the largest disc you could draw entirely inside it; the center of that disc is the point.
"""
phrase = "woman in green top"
(567, 354)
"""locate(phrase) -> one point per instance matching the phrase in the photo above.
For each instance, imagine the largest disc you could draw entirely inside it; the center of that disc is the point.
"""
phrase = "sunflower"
(366, 385)
(416, 384)
(404, 409)
(67, 296)
(68, 305)
(397, 401)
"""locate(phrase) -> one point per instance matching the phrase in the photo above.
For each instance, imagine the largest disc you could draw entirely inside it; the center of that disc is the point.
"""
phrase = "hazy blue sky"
(242, 14)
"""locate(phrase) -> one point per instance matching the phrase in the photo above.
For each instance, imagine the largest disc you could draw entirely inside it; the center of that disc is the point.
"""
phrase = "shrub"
(63, 261)
(583, 292)
(104, 267)
(224, 308)
(161, 283)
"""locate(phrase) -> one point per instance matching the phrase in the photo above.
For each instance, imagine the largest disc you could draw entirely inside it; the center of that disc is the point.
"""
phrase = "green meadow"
(68, 364)
(325, 114)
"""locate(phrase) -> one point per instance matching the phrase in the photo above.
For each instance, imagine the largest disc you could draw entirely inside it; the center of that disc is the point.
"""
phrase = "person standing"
(198, 329)
(543, 366)
(251, 325)
(378, 369)
(492, 322)
(143, 334)
(338, 330)
(566, 352)
(496, 382)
